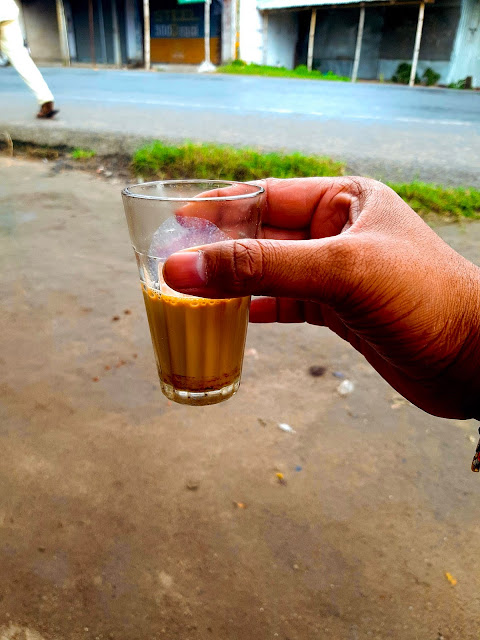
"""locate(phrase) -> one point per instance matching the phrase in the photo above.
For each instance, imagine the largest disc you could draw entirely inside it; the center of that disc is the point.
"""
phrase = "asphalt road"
(391, 132)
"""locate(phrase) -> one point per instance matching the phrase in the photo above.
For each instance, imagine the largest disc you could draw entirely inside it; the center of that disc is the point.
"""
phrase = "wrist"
(467, 365)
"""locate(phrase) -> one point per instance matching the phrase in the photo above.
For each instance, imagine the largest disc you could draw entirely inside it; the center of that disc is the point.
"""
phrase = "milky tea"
(198, 344)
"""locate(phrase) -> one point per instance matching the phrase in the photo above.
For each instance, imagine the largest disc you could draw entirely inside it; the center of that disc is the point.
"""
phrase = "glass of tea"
(198, 342)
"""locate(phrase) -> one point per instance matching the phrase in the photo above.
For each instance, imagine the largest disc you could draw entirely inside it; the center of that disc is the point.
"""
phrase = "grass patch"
(454, 202)
(160, 161)
(242, 68)
(83, 154)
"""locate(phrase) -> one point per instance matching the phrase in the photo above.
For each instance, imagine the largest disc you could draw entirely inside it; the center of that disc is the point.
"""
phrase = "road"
(100, 536)
(390, 132)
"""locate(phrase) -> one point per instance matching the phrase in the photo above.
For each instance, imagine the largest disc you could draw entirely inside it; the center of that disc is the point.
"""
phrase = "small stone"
(296, 567)
(41, 549)
(262, 422)
(115, 318)
(345, 388)
(317, 371)
(192, 484)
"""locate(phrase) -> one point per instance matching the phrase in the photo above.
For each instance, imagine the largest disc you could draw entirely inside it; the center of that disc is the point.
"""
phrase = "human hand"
(349, 254)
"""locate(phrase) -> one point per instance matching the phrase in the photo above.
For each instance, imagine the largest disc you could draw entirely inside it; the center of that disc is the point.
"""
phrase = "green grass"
(454, 202)
(82, 154)
(242, 68)
(160, 161)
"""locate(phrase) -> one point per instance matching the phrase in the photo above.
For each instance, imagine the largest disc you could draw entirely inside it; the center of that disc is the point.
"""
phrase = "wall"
(372, 38)
(228, 31)
(335, 39)
(41, 30)
(466, 52)
(251, 32)
(282, 35)
(133, 25)
(438, 37)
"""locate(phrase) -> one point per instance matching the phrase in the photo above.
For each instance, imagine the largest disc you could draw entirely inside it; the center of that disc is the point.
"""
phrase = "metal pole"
(418, 41)
(265, 37)
(146, 34)
(207, 31)
(117, 52)
(358, 47)
(206, 65)
(62, 32)
(91, 32)
(311, 39)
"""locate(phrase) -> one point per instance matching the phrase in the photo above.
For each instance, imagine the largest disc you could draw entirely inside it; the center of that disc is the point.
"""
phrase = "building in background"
(85, 31)
(177, 31)
(278, 32)
(112, 31)
(364, 38)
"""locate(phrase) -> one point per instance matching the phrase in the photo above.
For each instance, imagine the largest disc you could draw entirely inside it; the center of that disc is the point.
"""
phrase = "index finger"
(318, 204)
(235, 209)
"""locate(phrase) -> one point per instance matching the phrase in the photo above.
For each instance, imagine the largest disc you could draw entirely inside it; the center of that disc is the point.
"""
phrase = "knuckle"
(348, 259)
(366, 188)
(247, 262)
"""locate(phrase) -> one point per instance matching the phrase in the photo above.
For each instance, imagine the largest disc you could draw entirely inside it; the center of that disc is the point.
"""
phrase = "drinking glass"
(198, 342)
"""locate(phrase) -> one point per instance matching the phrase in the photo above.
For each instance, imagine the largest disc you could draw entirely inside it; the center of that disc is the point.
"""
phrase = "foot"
(47, 110)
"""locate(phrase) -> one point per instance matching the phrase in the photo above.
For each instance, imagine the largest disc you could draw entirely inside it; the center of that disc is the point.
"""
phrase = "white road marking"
(266, 110)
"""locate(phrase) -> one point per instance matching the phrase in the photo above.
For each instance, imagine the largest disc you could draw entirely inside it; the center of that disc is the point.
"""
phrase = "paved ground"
(100, 538)
(390, 132)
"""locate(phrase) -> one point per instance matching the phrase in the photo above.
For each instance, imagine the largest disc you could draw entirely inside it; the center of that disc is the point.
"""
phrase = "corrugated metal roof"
(265, 5)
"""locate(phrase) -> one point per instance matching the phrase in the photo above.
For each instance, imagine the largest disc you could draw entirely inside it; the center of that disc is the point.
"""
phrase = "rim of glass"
(230, 183)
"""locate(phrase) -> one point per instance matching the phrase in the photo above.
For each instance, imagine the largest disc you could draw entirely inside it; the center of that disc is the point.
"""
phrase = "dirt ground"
(119, 511)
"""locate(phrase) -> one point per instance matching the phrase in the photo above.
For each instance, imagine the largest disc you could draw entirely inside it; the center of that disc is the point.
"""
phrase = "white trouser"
(11, 44)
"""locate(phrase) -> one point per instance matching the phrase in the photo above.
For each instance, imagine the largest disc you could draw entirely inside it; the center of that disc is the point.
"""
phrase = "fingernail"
(185, 270)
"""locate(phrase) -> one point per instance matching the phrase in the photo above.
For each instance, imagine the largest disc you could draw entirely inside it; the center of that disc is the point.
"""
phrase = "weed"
(241, 67)
(82, 154)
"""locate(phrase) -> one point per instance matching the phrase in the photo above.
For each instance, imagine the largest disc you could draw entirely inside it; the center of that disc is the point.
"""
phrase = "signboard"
(183, 22)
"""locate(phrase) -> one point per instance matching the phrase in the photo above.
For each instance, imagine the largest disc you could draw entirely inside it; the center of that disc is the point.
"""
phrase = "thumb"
(306, 269)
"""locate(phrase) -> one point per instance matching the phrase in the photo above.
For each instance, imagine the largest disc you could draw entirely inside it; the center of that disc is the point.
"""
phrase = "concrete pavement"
(100, 536)
(390, 132)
